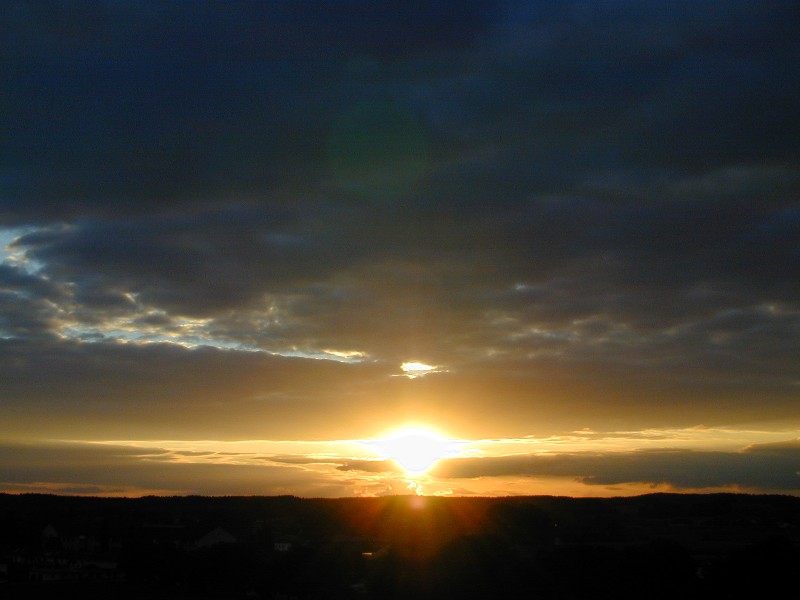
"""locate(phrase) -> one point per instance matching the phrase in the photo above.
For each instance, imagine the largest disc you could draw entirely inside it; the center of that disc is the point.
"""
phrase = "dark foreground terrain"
(655, 546)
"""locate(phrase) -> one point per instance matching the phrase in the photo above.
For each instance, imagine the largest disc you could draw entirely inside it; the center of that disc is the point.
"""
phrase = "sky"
(241, 241)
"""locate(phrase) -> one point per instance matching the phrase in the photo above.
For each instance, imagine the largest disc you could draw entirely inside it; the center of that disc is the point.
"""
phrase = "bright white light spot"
(345, 355)
(415, 449)
(412, 370)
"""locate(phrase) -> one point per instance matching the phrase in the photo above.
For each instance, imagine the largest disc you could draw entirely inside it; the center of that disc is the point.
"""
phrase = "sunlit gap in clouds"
(16, 256)
(415, 369)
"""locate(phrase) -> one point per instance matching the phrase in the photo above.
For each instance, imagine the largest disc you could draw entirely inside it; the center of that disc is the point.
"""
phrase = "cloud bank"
(124, 469)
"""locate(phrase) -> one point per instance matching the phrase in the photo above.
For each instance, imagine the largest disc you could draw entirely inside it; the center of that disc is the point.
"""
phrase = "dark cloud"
(581, 212)
(109, 390)
(753, 469)
(118, 109)
(371, 466)
(27, 303)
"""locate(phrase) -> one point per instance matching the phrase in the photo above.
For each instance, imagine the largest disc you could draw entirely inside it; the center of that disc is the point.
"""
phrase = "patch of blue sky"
(7, 237)
(17, 257)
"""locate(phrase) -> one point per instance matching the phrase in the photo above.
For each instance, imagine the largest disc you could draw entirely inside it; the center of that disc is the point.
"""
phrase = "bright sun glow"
(412, 370)
(415, 449)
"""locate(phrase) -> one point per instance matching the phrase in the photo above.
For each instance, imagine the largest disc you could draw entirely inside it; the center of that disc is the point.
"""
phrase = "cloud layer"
(239, 221)
(124, 468)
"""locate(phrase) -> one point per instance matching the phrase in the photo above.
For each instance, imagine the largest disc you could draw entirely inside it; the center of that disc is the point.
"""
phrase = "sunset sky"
(241, 241)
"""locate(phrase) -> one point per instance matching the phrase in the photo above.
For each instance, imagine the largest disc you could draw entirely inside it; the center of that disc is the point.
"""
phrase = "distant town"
(283, 548)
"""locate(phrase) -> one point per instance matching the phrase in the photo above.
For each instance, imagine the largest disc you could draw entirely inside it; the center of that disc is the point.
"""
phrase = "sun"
(416, 449)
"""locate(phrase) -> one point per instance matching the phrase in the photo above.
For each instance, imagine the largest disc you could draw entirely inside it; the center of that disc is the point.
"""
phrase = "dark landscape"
(284, 547)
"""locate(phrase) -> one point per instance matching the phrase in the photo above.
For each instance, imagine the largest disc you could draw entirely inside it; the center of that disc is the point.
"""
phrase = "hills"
(656, 546)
